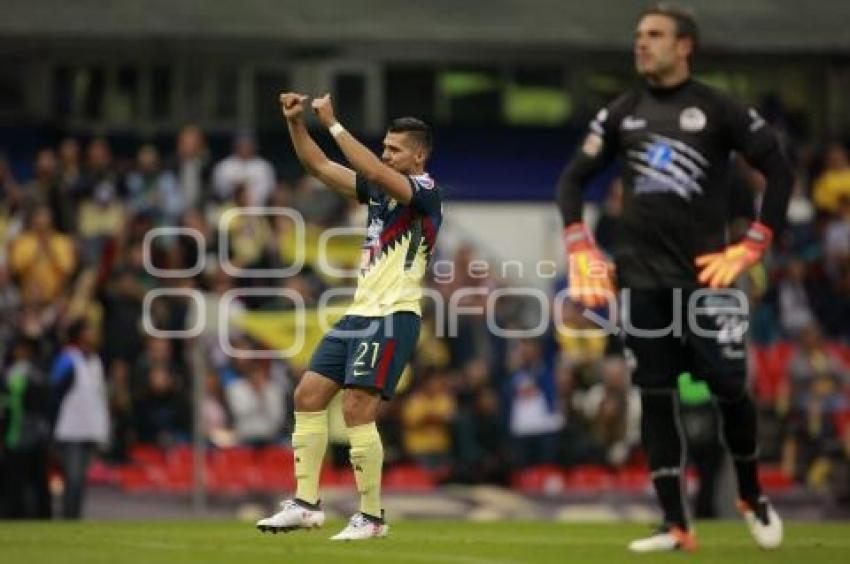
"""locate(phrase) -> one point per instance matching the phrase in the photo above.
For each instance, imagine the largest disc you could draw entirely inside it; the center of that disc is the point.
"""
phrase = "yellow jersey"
(398, 245)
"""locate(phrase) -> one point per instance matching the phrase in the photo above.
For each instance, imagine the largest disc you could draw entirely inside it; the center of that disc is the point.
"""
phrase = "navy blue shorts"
(367, 352)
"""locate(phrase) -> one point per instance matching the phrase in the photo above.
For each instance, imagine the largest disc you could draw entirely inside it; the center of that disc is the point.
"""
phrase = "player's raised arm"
(340, 178)
(395, 184)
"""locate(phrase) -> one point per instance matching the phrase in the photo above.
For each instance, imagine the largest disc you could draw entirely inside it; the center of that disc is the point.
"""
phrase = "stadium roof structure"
(599, 25)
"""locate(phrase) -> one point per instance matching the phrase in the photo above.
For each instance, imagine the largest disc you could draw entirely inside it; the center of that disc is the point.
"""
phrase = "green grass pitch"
(460, 542)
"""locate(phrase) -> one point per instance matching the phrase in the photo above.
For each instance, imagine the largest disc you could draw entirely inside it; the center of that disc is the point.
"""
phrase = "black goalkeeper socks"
(739, 432)
(662, 442)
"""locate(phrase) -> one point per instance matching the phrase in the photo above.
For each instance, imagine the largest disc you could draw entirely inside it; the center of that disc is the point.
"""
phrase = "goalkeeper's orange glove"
(719, 270)
(590, 273)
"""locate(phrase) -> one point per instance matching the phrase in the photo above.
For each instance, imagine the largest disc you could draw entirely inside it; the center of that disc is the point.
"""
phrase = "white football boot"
(292, 515)
(362, 527)
(665, 538)
(763, 521)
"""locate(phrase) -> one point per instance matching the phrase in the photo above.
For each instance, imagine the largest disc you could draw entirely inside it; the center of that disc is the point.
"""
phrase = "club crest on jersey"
(692, 119)
(392, 204)
(423, 181)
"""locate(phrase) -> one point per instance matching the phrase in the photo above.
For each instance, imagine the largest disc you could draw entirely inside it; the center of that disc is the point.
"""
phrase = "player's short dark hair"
(419, 130)
(686, 23)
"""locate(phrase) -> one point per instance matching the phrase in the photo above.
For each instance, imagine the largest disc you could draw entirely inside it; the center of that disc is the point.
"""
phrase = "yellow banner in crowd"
(278, 330)
(341, 252)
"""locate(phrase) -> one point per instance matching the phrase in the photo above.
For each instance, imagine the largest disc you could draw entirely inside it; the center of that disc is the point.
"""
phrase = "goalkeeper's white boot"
(665, 538)
(294, 514)
(763, 521)
(362, 527)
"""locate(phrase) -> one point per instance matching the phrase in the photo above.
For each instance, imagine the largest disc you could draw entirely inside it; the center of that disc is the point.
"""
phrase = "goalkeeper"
(675, 137)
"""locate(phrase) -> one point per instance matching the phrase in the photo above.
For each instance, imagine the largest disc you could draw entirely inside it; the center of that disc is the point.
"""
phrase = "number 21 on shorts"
(365, 356)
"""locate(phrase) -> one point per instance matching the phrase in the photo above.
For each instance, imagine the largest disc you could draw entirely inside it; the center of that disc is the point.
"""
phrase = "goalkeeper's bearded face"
(658, 49)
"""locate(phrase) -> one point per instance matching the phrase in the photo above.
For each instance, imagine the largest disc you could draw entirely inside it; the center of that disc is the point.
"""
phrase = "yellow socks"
(367, 458)
(310, 440)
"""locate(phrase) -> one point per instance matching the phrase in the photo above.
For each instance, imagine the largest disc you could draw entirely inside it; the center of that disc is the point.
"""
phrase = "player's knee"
(359, 407)
(307, 397)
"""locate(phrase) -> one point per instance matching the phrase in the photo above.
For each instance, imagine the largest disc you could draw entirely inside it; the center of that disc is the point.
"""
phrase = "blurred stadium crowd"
(477, 409)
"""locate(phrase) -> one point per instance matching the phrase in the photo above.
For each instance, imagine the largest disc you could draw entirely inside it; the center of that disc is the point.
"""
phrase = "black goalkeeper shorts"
(700, 331)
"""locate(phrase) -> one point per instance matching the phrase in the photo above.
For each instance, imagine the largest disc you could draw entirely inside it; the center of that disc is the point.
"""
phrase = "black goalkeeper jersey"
(676, 146)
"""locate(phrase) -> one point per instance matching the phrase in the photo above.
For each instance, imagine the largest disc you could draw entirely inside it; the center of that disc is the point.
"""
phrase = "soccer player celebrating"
(675, 137)
(367, 349)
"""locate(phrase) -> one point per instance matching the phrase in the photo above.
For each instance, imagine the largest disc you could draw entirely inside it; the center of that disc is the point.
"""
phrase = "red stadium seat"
(146, 454)
(135, 479)
(276, 467)
(633, 479)
(181, 456)
(764, 388)
(408, 478)
(540, 479)
(773, 479)
(178, 470)
(273, 479)
(589, 478)
(771, 369)
(100, 473)
(781, 354)
(177, 481)
(841, 351)
(276, 454)
(235, 470)
(336, 477)
(841, 420)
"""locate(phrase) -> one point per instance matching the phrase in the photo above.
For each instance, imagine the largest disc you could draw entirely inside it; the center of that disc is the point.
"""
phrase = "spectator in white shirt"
(244, 166)
(256, 401)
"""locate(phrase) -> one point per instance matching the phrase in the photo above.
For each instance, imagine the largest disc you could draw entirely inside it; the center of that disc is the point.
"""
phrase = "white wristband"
(336, 129)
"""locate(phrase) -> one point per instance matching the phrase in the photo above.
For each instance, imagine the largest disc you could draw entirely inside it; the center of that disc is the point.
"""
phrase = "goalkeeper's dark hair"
(686, 23)
(419, 130)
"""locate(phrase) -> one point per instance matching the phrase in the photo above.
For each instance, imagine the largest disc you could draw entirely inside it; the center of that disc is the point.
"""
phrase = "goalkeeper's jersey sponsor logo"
(667, 165)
